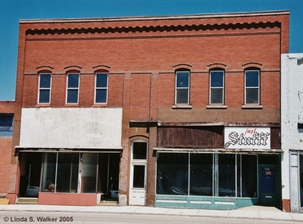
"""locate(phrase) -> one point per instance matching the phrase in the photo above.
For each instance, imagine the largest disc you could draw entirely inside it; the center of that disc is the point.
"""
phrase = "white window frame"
(245, 95)
(180, 88)
(100, 88)
(43, 88)
(72, 88)
(223, 87)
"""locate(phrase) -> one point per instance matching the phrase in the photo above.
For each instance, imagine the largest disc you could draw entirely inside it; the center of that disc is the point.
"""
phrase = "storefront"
(296, 180)
(220, 178)
(63, 162)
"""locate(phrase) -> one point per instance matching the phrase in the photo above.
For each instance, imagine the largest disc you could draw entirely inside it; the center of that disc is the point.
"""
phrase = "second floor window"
(182, 87)
(101, 88)
(72, 88)
(216, 87)
(44, 88)
(252, 87)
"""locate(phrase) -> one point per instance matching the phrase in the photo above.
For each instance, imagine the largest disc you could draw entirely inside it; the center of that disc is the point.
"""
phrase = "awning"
(67, 150)
(218, 150)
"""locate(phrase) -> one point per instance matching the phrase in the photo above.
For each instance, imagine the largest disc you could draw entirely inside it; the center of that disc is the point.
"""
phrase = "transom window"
(101, 88)
(216, 87)
(182, 87)
(252, 87)
(44, 88)
(72, 88)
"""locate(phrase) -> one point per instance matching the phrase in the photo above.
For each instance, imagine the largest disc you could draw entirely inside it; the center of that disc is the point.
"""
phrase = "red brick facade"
(8, 163)
(141, 56)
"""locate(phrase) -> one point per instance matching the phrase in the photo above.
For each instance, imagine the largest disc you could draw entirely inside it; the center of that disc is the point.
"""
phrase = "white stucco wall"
(291, 112)
(71, 127)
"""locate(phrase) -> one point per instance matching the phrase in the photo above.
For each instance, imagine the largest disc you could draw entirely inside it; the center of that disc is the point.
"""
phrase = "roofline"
(171, 17)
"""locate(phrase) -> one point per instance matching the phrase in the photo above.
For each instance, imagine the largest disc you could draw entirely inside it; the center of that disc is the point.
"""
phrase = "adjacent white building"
(292, 129)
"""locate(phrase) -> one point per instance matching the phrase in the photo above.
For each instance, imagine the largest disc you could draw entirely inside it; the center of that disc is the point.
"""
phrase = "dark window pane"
(217, 79)
(249, 176)
(49, 172)
(45, 80)
(72, 96)
(201, 170)
(182, 79)
(172, 173)
(101, 80)
(227, 175)
(139, 176)
(89, 173)
(44, 95)
(182, 96)
(252, 79)
(252, 95)
(73, 80)
(216, 95)
(101, 95)
(139, 150)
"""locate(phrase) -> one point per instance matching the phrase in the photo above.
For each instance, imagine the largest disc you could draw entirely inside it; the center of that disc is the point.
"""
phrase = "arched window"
(72, 88)
(101, 87)
(44, 95)
(182, 87)
(216, 86)
(252, 86)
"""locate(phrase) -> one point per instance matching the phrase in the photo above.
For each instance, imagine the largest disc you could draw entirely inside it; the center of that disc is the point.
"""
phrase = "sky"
(11, 11)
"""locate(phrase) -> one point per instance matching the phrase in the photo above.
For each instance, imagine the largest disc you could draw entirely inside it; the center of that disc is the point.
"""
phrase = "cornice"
(153, 28)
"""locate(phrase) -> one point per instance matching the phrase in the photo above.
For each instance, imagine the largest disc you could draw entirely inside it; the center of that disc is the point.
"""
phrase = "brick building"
(175, 111)
(8, 162)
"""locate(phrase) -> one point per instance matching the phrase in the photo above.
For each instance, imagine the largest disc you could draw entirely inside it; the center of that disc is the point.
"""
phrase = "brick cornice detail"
(164, 28)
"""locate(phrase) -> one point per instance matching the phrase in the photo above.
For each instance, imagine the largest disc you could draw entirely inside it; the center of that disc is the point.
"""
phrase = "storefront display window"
(207, 174)
(201, 174)
(227, 175)
(172, 173)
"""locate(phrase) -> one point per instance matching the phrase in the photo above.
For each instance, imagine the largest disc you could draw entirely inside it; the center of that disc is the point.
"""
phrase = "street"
(117, 218)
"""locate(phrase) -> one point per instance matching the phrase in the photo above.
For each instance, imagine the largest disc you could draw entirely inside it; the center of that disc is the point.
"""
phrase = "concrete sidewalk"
(253, 212)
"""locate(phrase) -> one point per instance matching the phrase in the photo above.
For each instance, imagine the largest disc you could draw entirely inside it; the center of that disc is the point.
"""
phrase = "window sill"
(43, 105)
(211, 106)
(252, 106)
(181, 106)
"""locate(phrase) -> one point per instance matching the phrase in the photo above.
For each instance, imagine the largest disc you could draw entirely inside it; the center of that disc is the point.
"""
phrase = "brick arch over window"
(101, 67)
(252, 65)
(217, 65)
(137, 137)
(182, 66)
(44, 68)
(72, 68)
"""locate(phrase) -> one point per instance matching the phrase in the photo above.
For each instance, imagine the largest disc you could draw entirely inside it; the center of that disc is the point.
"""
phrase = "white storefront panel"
(71, 127)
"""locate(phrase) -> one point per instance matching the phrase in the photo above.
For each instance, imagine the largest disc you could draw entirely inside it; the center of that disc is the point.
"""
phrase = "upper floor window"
(72, 88)
(182, 87)
(216, 95)
(6, 124)
(252, 87)
(101, 88)
(44, 88)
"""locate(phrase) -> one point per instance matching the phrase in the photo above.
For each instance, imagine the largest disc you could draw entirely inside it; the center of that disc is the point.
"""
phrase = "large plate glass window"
(182, 87)
(44, 88)
(252, 87)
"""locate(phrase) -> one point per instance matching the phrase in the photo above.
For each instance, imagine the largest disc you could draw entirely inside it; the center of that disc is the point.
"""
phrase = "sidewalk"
(253, 212)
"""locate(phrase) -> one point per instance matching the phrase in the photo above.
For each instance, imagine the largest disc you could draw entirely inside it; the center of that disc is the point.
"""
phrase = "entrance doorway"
(269, 185)
(30, 170)
(138, 174)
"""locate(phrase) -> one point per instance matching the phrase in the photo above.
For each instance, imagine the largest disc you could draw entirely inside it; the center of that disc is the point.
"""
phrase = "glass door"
(138, 174)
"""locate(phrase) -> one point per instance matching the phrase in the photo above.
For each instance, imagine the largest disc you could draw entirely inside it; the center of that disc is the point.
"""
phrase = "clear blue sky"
(13, 10)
